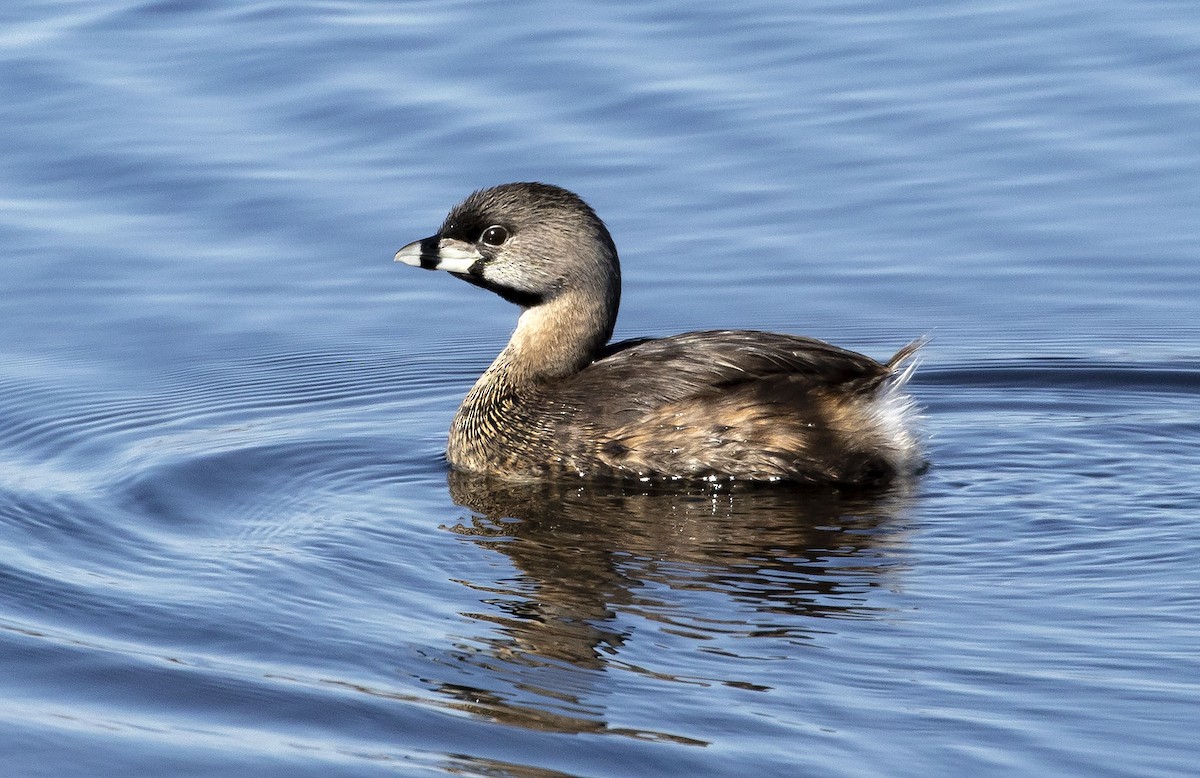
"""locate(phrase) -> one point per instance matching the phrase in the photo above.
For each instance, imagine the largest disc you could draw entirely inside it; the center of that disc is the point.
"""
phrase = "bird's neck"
(557, 338)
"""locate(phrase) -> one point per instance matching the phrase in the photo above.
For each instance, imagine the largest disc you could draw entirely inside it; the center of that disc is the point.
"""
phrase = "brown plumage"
(728, 404)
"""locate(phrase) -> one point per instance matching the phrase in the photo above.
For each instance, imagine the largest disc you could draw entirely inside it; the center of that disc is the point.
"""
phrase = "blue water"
(229, 544)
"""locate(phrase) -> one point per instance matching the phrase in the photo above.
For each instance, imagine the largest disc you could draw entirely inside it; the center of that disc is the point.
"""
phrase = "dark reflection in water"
(595, 561)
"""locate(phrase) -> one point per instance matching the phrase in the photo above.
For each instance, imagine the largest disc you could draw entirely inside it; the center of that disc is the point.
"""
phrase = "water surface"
(229, 544)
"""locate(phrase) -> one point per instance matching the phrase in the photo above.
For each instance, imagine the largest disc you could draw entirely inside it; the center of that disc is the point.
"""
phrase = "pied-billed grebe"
(726, 404)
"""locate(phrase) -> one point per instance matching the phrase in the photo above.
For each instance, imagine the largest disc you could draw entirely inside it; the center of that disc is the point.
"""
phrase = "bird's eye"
(494, 235)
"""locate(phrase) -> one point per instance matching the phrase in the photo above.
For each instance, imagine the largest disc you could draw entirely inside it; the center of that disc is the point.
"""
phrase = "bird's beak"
(454, 256)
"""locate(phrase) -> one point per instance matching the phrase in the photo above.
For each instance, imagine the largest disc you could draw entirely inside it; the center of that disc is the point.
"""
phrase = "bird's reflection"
(589, 560)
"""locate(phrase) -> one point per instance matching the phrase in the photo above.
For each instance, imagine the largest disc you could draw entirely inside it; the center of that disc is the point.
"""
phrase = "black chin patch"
(514, 296)
(523, 299)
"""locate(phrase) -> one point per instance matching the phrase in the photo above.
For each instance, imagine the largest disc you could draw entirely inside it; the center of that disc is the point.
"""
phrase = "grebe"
(714, 405)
